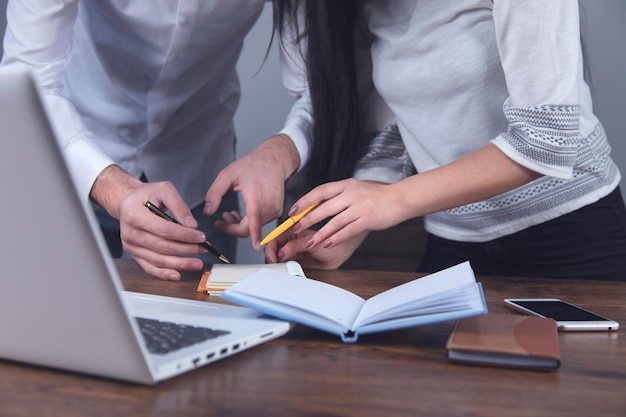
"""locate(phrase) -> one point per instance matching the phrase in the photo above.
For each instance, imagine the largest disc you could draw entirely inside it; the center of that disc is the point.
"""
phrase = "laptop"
(61, 301)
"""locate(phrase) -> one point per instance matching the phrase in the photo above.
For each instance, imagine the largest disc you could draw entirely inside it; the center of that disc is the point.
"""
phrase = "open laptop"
(61, 301)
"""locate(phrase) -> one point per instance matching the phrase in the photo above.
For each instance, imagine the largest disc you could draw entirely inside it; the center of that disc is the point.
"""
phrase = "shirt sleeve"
(385, 159)
(299, 123)
(539, 46)
(39, 38)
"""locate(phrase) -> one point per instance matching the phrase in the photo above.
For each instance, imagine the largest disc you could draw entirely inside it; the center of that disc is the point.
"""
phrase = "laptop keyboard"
(163, 337)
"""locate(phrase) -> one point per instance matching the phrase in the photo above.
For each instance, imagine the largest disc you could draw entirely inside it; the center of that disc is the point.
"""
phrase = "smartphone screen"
(567, 316)
(559, 310)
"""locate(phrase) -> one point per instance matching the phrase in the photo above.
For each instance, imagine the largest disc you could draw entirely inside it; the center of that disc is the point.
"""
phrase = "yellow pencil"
(280, 229)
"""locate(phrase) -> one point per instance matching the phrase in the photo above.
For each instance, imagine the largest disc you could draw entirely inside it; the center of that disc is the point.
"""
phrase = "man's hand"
(260, 177)
(153, 242)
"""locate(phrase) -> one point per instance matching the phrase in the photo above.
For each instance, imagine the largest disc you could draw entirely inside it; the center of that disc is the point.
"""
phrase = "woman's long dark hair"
(329, 27)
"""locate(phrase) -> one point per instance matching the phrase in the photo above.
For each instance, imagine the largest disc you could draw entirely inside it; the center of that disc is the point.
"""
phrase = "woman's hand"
(355, 207)
(291, 246)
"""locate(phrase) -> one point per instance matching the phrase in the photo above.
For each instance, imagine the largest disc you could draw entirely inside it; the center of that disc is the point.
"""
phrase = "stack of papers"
(223, 276)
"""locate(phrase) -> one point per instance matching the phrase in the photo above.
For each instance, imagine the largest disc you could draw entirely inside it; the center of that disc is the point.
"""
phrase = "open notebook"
(61, 303)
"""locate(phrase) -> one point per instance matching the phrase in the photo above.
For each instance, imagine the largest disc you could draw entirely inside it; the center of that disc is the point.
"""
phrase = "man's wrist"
(110, 188)
(285, 153)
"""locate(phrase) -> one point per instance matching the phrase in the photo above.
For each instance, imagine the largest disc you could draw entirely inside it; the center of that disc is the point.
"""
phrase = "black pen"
(206, 245)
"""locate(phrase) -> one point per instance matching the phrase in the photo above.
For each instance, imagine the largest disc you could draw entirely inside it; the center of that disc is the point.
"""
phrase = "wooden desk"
(311, 373)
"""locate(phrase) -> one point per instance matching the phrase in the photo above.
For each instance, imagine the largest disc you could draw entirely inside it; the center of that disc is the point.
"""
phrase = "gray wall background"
(264, 103)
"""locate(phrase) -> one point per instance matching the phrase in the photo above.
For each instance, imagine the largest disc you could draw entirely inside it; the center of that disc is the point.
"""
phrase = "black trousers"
(589, 243)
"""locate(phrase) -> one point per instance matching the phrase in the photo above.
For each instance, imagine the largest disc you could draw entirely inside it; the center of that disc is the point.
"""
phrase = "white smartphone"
(568, 317)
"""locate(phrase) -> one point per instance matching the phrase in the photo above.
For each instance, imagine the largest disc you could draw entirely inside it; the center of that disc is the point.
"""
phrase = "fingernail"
(293, 210)
(327, 244)
(189, 221)
(309, 243)
(296, 228)
(208, 207)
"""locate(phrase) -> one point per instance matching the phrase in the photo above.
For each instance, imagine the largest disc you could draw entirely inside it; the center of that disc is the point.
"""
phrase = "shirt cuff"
(542, 138)
(86, 161)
